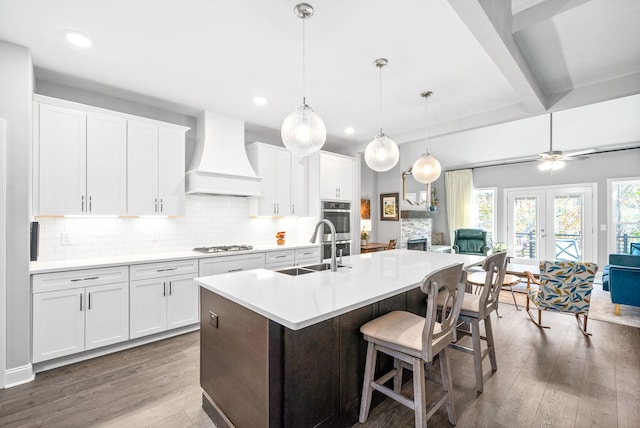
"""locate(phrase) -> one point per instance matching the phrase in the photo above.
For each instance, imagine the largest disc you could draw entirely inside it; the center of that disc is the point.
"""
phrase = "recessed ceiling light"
(77, 39)
(259, 101)
(350, 130)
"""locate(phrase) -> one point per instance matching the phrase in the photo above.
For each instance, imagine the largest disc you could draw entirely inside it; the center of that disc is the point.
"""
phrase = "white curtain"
(458, 191)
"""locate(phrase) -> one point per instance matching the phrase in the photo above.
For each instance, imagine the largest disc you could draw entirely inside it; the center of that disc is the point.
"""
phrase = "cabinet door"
(328, 180)
(142, 168)
(148, 304)
(344, 178)
(58, 324)
(106, 164)
(226, 264)
(182, 301)
(299, 186)
(107, 315)
(62, 157)
(263, 161)
(283, 182)
(171, 171)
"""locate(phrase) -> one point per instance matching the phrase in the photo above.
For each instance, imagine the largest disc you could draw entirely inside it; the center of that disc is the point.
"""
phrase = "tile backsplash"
(208, 220)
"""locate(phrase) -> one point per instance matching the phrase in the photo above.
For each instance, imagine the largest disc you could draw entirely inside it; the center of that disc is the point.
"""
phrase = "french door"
(552, 223)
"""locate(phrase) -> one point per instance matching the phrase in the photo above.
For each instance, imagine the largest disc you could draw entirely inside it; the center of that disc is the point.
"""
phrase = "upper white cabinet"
(80, 162)
(156, 169)
(330, 178)
(94, 161)
(284, 181)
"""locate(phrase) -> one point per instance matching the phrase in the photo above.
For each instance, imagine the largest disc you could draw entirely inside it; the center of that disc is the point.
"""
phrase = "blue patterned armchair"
(563, 286)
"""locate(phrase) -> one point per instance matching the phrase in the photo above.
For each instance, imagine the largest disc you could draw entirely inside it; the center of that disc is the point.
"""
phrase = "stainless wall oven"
(338, 213)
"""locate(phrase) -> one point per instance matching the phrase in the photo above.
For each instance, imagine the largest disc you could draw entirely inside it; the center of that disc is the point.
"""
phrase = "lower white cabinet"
(79, 319)
(163, 302)
(279, 259)
(307, 256)
(226, 264)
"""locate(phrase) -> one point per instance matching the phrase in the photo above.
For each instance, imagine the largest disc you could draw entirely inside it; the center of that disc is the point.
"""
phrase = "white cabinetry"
(306, 256)
(78, 311)
(89, 160)
(236, 263)
(156, 169)
(163, 296)
(284, 181)
(80, 160)
(336, 177)
(279, 259)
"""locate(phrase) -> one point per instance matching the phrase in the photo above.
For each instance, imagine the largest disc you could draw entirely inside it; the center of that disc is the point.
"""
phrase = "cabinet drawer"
(163, 269)
(217, 265)
(79, 278)
(307, 254)
(279, 258)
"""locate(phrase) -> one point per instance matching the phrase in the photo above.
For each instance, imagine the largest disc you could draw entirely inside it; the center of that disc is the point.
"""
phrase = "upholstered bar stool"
(476, 308)
(413, 341)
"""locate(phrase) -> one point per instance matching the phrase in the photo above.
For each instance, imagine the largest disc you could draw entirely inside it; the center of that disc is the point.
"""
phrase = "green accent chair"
(470, 241)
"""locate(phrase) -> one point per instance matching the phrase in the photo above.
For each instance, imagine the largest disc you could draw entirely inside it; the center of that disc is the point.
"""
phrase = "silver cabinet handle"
(91, 277)
(90, 203)
(279, 257)
(235, 270)
(164, 289)
(155, 201)
(164, 270)
(89, 303)
(170, 288)
(77, 279)
(293, 209)
(81, 303)
(274, 208)
(82, 204)
(161, 205)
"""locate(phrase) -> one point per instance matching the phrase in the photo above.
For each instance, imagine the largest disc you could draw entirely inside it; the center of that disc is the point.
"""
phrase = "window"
(624, 208)
(484, 211)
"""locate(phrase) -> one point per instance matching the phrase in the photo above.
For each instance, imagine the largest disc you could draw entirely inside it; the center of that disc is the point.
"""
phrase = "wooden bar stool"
(413, 341)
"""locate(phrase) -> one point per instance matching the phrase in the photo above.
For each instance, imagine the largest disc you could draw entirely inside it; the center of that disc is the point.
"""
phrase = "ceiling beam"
(542, 12)
(490, 23)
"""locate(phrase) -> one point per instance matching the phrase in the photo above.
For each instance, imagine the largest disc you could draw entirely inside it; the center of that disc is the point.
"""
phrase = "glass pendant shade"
(303, 131)
(382, 153)
(426, 169)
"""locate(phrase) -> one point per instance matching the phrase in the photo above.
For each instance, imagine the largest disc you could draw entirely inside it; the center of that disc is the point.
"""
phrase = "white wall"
(16, 95)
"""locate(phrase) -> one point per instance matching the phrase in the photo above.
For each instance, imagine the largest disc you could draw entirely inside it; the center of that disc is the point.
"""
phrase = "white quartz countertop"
(297, 302)
(99, 262)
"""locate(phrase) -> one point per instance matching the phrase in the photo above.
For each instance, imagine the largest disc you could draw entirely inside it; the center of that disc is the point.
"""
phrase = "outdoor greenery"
(484, 203)
(626, 214)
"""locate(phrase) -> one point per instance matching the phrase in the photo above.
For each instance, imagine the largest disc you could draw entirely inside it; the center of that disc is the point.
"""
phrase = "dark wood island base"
(258, 373)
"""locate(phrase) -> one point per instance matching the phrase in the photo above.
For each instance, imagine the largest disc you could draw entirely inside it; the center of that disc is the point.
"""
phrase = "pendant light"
(382, 153)
(303, 131)
(426, 169)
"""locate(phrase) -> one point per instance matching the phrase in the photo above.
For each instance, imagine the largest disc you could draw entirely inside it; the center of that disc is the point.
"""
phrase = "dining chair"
(564, 286)
(476, 308)
(414, 341)
(391, 245)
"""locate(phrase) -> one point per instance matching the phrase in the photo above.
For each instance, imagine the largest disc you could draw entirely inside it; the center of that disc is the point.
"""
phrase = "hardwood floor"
(553, 377)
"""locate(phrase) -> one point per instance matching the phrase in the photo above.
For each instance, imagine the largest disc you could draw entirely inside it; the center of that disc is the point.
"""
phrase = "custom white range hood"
(220, 165)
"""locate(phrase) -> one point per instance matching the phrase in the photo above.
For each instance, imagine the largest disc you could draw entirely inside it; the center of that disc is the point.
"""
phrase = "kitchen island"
(279, 350)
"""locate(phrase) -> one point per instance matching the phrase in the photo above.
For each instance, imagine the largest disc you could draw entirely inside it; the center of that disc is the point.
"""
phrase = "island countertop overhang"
(300, 301)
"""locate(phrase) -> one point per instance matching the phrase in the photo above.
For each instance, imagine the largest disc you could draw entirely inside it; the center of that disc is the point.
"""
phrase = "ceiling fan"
(553, 160)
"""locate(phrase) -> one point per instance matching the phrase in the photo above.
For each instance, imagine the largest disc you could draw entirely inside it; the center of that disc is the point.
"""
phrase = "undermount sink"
(295, 271)
(301, 270)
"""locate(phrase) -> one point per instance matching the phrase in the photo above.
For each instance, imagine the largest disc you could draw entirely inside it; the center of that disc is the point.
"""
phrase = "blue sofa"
(621, 278)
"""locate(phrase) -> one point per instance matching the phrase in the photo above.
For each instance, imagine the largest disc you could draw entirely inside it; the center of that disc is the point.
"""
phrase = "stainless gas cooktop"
(223, 248)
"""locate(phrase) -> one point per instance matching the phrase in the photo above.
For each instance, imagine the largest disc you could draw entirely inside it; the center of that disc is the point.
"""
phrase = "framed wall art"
(389, 206)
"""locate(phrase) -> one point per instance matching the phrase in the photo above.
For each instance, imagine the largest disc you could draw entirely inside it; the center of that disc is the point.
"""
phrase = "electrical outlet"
(155, 237)
(65, 238)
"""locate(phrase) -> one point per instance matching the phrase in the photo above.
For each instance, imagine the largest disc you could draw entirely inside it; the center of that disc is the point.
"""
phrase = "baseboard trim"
(82, 356)
(19, 375)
